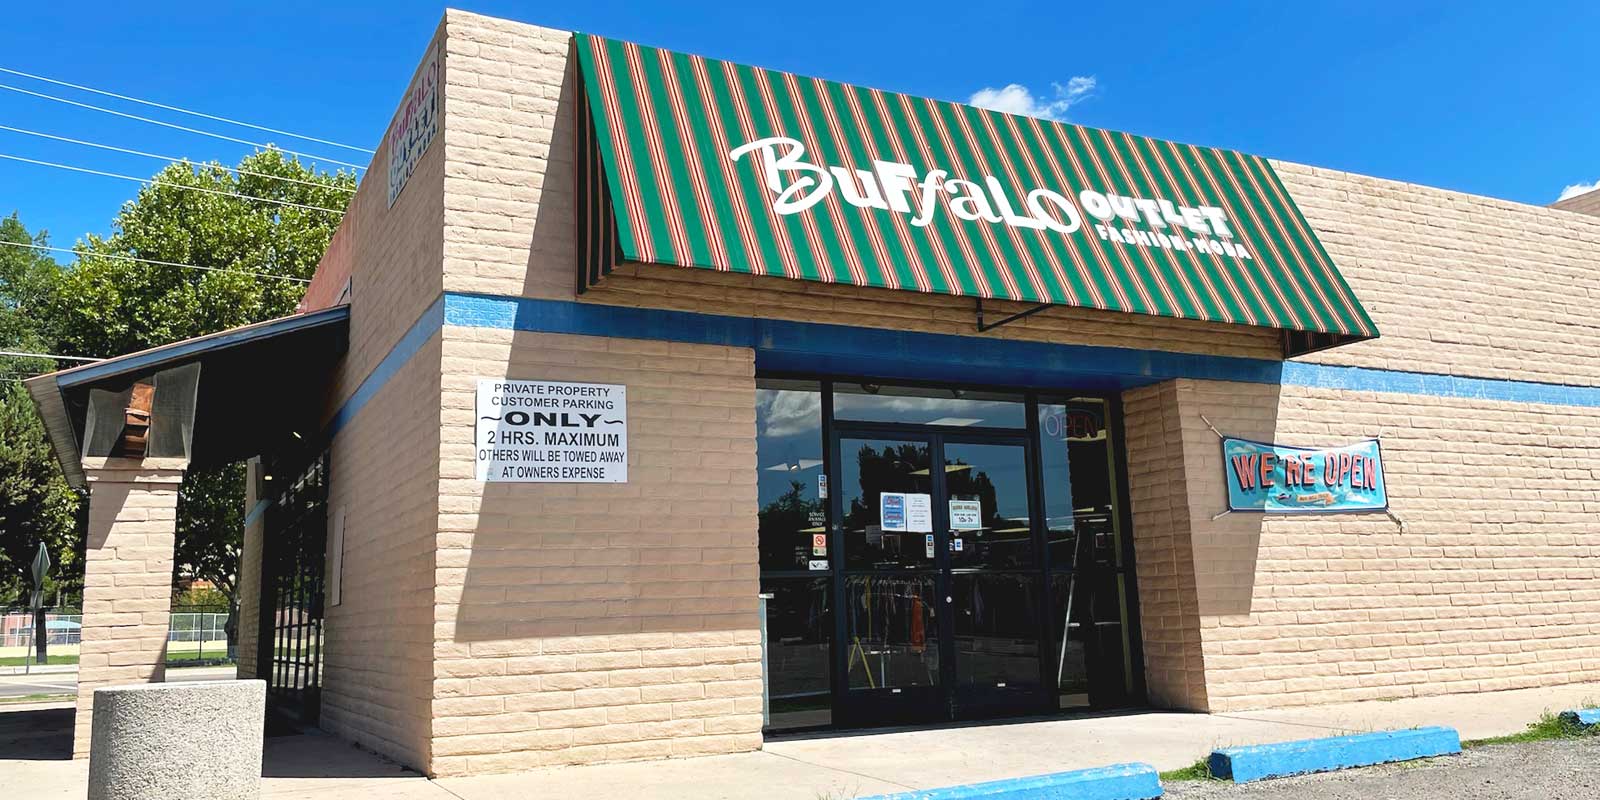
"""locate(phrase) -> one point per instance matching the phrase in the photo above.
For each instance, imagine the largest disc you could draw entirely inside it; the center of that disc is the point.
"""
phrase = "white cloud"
(1015, 98)
(1576, 189)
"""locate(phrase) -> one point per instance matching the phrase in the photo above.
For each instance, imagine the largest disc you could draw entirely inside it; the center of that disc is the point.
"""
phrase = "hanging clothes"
(918, 635)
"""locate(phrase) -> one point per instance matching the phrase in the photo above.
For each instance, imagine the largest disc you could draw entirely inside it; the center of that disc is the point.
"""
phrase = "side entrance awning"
(693, 162)
(212, 399)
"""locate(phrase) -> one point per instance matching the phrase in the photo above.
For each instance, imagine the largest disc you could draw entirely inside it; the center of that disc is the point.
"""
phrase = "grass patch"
(178, 654)
(1198, 771)
(18, 661)
(1549, 726)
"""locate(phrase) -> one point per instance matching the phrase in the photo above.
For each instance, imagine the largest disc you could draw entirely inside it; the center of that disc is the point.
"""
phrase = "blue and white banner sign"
(1277, 479)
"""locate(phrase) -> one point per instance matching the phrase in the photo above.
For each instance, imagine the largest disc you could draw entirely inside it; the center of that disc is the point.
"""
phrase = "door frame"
(847, 712)
(951, 699)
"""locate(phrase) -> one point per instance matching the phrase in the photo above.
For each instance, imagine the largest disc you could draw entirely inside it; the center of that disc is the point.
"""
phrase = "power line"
(202, 115)
(116, 149)
(16, 354)
(185, 129)
(154, 261)
(169, 183)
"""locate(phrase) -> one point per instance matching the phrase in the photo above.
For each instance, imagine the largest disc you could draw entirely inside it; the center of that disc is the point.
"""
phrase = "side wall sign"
(1278, 479)
(416, 125)
(548, 432)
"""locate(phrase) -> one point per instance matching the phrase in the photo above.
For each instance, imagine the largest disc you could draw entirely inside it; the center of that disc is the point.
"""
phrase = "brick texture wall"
(127, 580)
(1459, 284)
(590, 622)
(249, 586)
(579, 623)
(1164, 557)
(384, 470)
(1586, 203)
(1490, 583)
(575, 623)
(384, 479)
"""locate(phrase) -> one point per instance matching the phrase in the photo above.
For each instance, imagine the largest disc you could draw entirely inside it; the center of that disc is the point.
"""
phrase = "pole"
(41, 635)
(41, 632)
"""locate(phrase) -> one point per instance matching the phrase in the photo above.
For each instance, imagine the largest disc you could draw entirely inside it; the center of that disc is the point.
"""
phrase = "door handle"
(949, 599)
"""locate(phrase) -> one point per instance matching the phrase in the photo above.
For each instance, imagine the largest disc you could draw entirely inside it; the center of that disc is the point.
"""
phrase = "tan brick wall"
(1586, 203)
(384, 477)
(1164, 554)
(591, 622)
(1459, 284)
(384, 469)
(127, 581)
(1491, 584)
(547, 641)
(249, 591)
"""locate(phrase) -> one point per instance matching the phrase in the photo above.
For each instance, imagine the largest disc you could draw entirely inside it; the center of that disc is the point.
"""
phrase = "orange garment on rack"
(918, 638)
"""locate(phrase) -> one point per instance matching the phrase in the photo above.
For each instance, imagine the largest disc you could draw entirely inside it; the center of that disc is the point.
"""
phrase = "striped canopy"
(694, 162)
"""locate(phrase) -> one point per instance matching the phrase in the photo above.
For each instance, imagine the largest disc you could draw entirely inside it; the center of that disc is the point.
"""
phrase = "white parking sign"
(548, 432)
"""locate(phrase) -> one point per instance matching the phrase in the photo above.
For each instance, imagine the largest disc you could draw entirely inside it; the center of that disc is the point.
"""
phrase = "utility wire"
(154, 261)
(202, 115)
(159, 157)
(169, 183)
(126, 115)
(16, 354)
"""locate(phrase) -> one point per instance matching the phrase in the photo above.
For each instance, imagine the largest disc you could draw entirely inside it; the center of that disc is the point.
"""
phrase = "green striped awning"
(694, 162)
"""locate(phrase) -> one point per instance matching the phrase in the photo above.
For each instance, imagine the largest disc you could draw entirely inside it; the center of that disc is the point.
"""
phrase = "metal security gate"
(292, 564)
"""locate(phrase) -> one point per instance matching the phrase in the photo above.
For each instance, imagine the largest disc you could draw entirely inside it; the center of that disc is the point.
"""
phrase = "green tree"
(28, 281)
(36, 505)
(206, 216)
(108, 306)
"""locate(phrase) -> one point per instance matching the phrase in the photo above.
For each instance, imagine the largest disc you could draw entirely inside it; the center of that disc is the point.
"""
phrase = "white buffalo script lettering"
(798, 184)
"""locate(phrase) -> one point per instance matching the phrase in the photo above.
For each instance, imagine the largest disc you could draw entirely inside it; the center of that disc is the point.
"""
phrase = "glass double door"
(942, 591)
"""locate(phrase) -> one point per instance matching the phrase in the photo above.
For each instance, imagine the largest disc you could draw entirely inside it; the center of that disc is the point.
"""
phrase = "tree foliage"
(36, 504)
(106, 305)
(109, 306)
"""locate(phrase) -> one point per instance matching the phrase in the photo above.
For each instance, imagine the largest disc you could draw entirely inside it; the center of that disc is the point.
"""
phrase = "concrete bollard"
(177, 741)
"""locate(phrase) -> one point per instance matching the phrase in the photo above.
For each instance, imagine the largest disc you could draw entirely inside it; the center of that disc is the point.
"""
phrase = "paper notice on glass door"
(919, 513)
(892, 511)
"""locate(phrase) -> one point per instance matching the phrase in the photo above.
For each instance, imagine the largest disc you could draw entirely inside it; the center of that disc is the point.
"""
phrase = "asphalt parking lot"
(1562, 769)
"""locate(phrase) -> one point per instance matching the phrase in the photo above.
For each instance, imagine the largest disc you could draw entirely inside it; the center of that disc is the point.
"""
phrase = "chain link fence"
(196, 635)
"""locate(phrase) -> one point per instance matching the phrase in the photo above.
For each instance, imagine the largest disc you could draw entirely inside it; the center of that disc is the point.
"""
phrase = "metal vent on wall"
(151, 418)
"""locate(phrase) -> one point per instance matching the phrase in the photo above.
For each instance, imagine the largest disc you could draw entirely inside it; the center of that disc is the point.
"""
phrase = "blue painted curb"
(1582, 717)
(1117, 782)
(1245, 764)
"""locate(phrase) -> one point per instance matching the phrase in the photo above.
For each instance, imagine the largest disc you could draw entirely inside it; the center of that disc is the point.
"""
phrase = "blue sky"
(1475, 96)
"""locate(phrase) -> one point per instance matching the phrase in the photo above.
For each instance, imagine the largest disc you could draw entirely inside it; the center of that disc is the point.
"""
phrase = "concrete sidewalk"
(833, 766)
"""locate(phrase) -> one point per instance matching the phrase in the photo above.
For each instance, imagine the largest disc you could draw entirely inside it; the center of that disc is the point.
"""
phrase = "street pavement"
(24, 685)
(57, 681)
(34, 740)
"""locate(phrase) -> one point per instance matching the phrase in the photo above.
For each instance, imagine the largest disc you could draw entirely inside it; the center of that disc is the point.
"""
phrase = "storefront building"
(683, 403)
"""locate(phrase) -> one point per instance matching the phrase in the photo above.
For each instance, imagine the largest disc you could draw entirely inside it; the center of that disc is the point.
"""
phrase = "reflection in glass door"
(995, 583)
(970, 560)
(891, 615)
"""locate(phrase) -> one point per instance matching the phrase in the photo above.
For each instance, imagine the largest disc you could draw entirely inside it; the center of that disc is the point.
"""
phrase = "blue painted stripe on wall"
(256, 512)
(1245, 764)
(784, 346)
(1116, 782)
(799, 346)
(425, 327)
(1434, 385)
